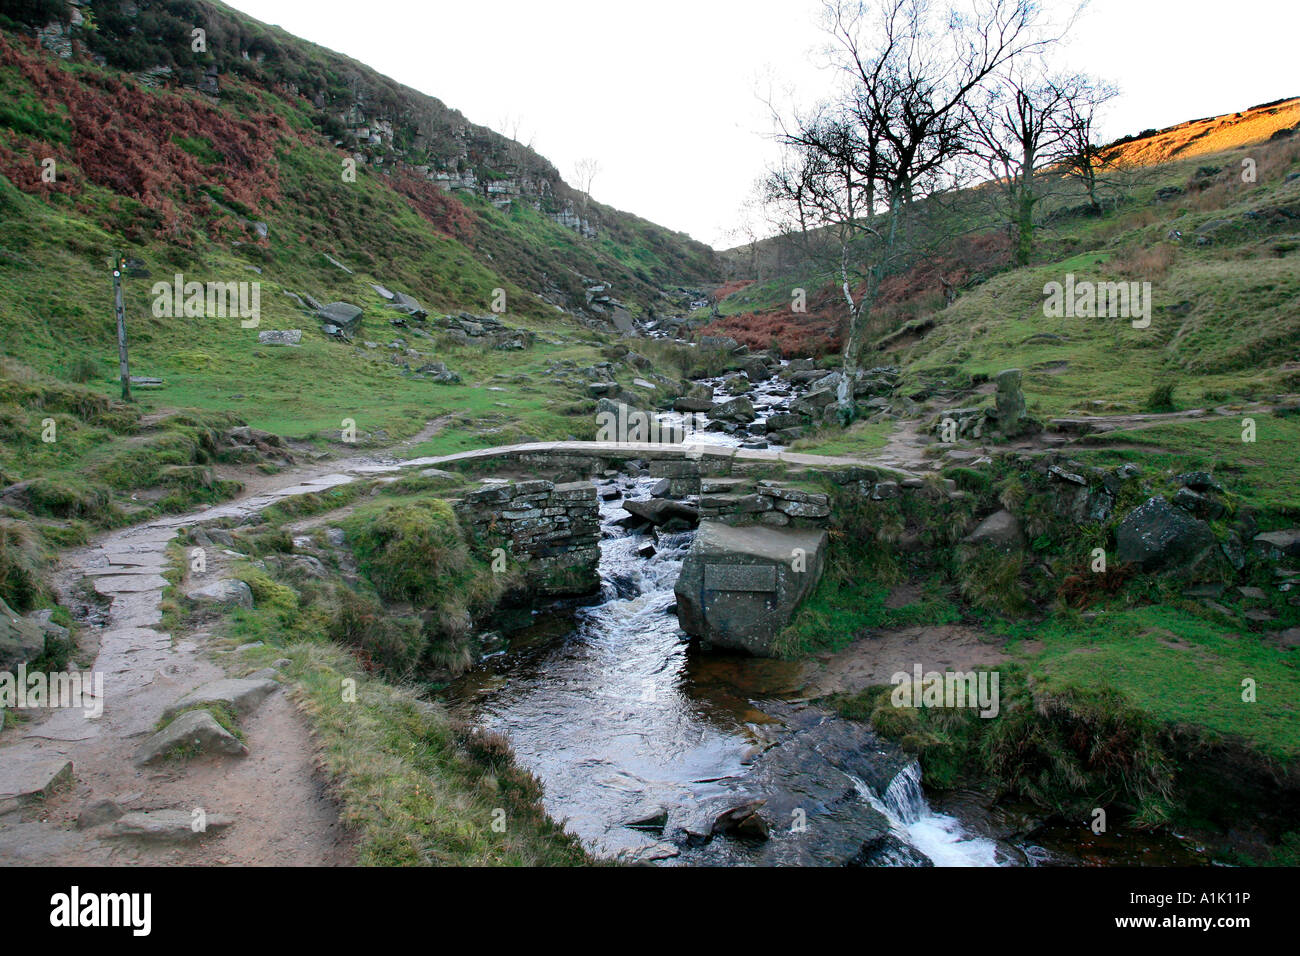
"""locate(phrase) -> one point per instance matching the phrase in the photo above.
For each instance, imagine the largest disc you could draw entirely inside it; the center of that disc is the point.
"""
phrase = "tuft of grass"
(1161, 398)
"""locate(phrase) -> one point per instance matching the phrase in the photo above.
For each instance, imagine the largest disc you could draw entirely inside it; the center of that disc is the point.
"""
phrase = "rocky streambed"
(652, 749)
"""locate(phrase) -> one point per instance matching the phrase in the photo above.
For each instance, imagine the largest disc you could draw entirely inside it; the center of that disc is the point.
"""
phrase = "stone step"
(30, 778)
(169, 826)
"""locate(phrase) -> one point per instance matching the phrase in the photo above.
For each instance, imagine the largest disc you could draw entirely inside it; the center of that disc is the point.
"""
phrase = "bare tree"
(1085, 160)
(1019, 131)
(860, 169)
(584, 173)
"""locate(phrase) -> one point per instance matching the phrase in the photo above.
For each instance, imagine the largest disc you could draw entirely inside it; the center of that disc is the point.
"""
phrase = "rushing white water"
(937, 835)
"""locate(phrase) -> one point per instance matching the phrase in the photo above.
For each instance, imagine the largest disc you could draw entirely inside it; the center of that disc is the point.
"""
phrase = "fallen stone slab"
(198, 729)
(344, 315)
(169, 826)
(27, 779)
(661, 511)
(242, 695)
(280, 337)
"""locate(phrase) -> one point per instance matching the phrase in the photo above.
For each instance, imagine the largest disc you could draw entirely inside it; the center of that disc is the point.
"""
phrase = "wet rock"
(1159, 537)
(738, 411)
(648, 854)
(690, 405)
(811, 805)
(661, 511)
(198, 730)
(813, 403)
(651, 818)
(743, 821)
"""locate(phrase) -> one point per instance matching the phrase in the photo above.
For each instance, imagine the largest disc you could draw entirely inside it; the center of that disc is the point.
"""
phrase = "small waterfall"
(936, 835)
(903, 798)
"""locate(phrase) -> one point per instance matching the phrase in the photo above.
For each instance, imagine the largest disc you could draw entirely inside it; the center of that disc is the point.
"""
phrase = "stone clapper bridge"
(737, 584)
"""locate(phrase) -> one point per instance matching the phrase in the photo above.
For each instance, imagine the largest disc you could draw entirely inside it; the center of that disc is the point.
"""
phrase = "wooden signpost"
(124, 366)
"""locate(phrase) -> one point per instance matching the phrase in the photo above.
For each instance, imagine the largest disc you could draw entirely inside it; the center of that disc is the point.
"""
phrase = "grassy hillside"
(248, 188)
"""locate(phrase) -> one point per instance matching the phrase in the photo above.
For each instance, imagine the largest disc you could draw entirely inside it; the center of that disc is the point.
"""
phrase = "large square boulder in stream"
(739, 586)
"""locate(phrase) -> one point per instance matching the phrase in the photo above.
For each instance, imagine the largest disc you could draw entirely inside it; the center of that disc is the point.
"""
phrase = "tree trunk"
(1024, 228)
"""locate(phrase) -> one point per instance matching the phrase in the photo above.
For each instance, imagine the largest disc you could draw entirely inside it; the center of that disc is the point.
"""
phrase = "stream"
(642, 740)
(652, 749)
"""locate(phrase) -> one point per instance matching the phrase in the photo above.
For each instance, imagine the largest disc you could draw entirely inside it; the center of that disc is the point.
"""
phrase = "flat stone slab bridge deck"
(627, 451)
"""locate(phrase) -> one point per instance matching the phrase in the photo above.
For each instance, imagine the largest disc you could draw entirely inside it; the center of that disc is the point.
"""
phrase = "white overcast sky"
(665, 94)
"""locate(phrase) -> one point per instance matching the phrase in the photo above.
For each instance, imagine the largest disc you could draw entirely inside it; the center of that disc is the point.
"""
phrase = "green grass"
(1261, 474)
(86, 455)
(838, 612)
(417, 787)
(1068, 748)
(860, 440)
(1179, 664)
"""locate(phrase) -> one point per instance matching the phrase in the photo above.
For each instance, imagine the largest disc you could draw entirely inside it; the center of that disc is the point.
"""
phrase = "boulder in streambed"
(738, 410)
(739, 586)
(664, 513)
